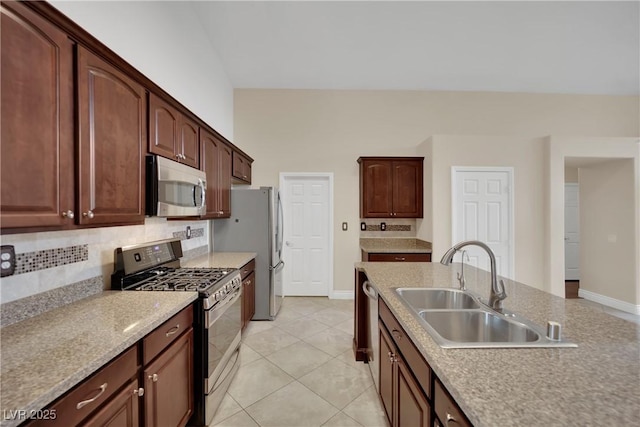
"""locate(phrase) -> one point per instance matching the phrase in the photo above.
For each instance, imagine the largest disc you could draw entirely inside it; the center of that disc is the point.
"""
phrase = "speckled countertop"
(221, 260)
(394, 245)
(597, 383)
(46, 355)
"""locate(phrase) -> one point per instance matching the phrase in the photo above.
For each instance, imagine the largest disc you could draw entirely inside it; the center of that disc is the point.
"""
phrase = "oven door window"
(222, 333)
(179, 193)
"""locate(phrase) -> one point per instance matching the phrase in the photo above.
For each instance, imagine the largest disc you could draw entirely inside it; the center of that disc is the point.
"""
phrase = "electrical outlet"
(363, 226)
(383, 226)
(345, 226)
(188, 232)
(7, 260)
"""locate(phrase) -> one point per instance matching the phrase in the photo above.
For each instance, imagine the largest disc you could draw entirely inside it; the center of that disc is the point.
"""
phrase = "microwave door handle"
(203, 186)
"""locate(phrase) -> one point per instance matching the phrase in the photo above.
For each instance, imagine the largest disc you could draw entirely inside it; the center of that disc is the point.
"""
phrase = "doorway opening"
(307, 202)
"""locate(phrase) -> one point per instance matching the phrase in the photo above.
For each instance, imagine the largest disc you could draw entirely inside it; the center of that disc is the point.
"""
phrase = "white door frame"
(319, 175)
(577, 186)
(454, 209)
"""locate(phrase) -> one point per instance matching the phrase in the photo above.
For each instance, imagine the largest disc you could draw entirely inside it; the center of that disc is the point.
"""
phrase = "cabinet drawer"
(94, 392)
(246, 269)
(410, 353)
(166, 333)
(446, 409)
(400, 257)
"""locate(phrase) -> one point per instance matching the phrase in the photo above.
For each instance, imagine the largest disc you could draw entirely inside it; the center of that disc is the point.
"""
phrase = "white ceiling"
(541, 47)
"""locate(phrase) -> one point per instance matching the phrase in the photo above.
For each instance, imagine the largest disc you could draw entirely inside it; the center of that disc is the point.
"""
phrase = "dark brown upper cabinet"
(37, 121)
(241, 168)
(215, 158)
(172, 134)
(391, 187)
(112, 140)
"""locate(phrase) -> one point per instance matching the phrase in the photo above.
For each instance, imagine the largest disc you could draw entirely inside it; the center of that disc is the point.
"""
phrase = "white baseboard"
(609, 302)
(341, 294)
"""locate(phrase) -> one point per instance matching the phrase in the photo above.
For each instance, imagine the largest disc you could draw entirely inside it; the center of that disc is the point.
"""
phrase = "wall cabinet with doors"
(391, 187)
(215, 158)
(44, 183)
(172, 134)
(111, 396)
(241, 168)
(248, 292)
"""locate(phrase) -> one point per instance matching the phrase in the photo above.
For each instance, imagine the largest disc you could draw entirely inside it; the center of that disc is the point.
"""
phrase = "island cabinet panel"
(112, 140)
(391, 187)
(168, 384)
(361, 346)
(398, 257)
(172, 134)
(215, 158)
(413, 407)
(37, 147)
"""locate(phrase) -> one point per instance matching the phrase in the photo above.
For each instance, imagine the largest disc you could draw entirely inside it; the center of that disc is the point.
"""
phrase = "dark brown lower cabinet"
(248, 292)
(402, 398)
(121, 411)
(398, 257)
(168, 384)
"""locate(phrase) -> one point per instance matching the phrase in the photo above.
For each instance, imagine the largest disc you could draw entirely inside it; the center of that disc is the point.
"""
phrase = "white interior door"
(307, 209)
(483, 210)
(571, 232)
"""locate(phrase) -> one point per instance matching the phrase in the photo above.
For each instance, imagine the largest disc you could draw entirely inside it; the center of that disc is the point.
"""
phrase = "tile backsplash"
(49, 260)
(395, 227)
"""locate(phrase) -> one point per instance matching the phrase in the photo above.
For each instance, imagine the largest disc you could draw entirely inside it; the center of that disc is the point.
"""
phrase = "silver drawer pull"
(84, 403)
(400, 258)
(154, 378)
(139, 392)
(173, 330)
(451, 419)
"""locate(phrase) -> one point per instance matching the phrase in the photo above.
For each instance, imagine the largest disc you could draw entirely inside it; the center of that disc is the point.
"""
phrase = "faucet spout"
(498, 293)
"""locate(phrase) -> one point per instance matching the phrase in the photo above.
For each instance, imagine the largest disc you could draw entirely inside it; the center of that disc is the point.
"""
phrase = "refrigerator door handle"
(277, 266)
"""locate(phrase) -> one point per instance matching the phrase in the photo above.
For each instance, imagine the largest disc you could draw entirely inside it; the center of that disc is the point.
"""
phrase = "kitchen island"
(597, 383)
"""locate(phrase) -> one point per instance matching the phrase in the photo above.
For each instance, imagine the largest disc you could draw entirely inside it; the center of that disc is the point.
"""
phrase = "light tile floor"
(299, 371)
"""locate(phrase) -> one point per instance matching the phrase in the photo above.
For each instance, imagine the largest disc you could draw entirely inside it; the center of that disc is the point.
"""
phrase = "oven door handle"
(214, 314)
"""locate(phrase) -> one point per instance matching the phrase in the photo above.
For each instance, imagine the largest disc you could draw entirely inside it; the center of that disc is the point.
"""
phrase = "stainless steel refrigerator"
(256, 226)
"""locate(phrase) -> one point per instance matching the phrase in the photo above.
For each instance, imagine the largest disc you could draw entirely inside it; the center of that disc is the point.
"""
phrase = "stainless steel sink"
(437, 298)
(458, 319)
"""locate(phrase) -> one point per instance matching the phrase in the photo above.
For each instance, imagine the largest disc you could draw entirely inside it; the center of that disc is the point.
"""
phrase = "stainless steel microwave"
(174, 189)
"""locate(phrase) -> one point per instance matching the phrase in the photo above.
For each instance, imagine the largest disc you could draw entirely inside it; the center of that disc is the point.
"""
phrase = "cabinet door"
(399, 257)
(37, 121)
(216, 162)
(407, 189)
(188, 142)
(163, 128)
(386, 359)
(224, 180)
(121, 411)
(412, 408)
(376, 189)
(169, 385)
(112, 122)
(248, 299)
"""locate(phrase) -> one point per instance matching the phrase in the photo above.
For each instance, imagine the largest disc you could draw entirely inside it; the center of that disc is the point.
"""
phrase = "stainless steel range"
(155, 266)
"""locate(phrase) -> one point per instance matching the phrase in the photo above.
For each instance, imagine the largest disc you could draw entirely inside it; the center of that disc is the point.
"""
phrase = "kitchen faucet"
(498, 293)
(460, 275)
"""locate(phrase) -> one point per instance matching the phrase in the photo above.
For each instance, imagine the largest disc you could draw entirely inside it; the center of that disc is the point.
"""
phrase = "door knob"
(88, 214)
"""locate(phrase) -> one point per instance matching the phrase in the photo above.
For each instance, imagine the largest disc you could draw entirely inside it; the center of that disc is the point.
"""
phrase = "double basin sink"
(457, 319)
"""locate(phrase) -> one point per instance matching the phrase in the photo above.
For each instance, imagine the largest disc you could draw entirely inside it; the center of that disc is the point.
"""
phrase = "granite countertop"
(596, 383)
(221, 260)
(45, 356)
(394, 245)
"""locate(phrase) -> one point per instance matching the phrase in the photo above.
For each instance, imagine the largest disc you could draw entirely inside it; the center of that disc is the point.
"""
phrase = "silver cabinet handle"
(68, 214)
(139, 392)
(369, 291)
(82, 404)
(178, 156)
(88, 214)
(154, 378)
(173, 330)
(451, 419)
(400, 258)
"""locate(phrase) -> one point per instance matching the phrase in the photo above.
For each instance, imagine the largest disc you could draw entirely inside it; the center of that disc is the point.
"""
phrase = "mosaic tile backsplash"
(395, 227)
(39, 260)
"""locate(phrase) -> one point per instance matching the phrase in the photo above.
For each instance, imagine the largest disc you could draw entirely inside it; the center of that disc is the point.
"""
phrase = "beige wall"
(607, 224)
(571, 175)
(326, 131)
